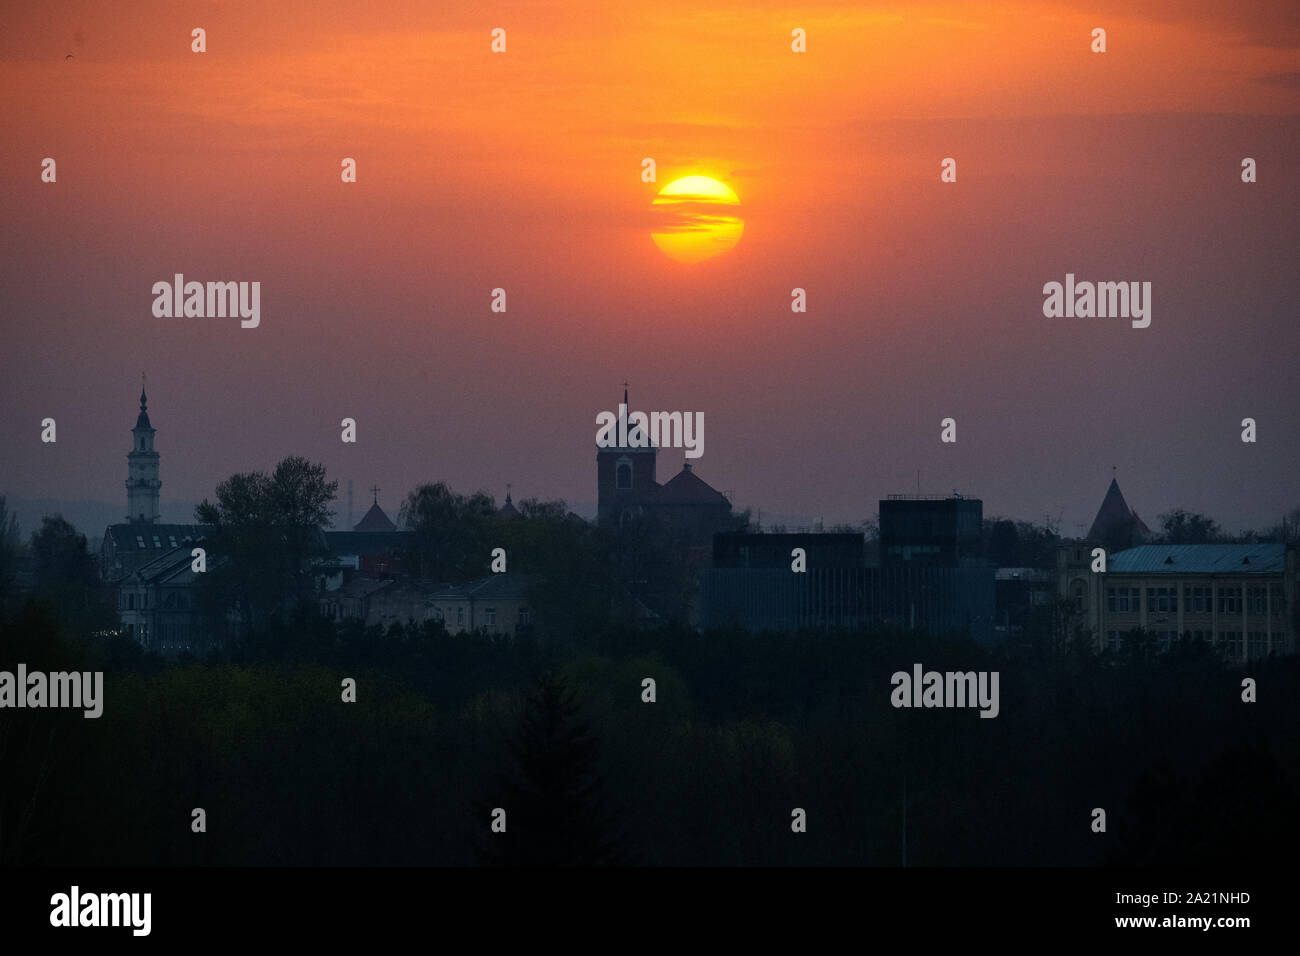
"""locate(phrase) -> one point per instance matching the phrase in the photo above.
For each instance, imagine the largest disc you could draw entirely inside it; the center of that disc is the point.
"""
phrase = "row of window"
(172, 601)
(1196, 600)
(1257, 642)
(157, 542)
(334, 609)
(440, 615)
(489, 616)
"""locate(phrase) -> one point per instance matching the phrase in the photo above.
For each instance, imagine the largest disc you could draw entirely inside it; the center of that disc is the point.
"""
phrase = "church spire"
(508, 510)
(142, 420)
(142, 484)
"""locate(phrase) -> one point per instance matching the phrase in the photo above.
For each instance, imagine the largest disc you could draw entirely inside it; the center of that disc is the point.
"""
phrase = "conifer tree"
(553, 796)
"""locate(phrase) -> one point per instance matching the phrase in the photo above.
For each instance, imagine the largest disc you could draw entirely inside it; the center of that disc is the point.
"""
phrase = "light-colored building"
(1238, 597)
(156, 603)
(347, 596)
(496, 604)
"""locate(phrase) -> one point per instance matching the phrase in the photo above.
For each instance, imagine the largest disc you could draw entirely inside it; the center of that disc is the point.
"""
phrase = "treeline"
(743, 730)
(265, 546)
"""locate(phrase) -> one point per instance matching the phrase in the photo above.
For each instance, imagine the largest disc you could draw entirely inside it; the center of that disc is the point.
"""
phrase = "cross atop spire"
(374, 490)
(624, 391)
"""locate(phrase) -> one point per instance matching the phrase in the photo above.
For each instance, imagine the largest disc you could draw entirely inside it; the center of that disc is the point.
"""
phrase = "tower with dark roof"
(375, 519)
(1117, 526)
(508, 510)
(142, 484)
(625, 476)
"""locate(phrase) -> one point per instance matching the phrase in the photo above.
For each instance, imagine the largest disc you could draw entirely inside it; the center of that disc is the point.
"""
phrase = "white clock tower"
(142, 482)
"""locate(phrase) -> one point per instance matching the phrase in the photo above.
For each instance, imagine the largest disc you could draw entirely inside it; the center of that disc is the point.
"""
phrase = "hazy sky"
(522, 170)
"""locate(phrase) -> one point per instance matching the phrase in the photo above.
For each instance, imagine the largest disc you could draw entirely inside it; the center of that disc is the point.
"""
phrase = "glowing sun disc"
(698, 219)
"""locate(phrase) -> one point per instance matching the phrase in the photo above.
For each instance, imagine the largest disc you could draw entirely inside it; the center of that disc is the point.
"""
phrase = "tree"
(1180, 526)
(650, 561)
(1244, 790)
(1286, 531)
(553, 798)
(450, 531)
(65, 574)
(300, 498)
(1004, 544)
(60, 557)
(263, 538)
(11, 544)
(1037, 544)
(573, 574)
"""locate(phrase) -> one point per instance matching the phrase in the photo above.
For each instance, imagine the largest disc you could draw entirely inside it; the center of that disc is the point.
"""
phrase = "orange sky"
(522, 170)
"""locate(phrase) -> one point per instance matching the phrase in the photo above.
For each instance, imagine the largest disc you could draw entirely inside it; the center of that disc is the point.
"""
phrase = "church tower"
(142, 482)
(625, 474)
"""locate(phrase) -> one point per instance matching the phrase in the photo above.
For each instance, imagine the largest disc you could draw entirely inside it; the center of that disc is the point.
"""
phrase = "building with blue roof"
(1242, 598)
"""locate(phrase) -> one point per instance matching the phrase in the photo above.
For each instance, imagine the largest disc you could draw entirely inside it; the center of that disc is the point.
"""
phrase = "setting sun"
(698, 220)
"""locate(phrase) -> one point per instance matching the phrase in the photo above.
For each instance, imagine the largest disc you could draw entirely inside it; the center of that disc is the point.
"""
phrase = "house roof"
(374, 521)
(1200, 559)
(498, 587)
(688, 488)
(155, 537)
(360, 587)
(172, 568)
(495, 587)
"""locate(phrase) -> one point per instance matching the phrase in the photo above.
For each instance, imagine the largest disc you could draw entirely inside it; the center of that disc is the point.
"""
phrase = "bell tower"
(625, 474)
(142, 482)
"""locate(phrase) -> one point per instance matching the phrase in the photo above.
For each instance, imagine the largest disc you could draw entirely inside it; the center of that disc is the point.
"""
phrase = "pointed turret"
(1117, 526)
(142, 420)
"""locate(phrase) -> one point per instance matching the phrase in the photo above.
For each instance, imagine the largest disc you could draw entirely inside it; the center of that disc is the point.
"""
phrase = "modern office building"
(927, 531)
